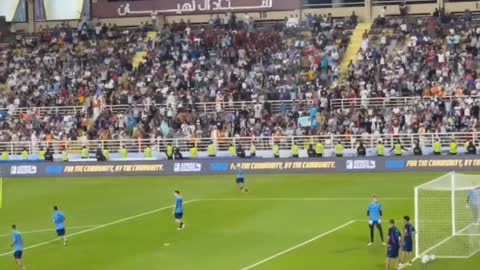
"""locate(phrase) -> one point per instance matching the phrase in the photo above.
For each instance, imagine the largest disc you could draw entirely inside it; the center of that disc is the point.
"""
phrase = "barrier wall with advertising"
(217, 166)
(136, 8)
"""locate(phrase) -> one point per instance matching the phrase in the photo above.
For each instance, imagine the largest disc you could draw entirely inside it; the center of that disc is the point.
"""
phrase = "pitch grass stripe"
(305, 199)
(52, 230)
(299, 245)
(1, 192)
(100, 227)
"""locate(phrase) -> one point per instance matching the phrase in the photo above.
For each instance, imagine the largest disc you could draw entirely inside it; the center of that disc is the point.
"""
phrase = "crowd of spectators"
(433, 58)
(232, 59)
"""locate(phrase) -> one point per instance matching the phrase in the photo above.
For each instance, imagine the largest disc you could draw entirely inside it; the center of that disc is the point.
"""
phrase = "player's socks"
(372, 233)
(381, 234)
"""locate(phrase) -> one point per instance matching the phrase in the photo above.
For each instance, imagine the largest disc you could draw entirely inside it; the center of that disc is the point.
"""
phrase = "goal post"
(447, 226)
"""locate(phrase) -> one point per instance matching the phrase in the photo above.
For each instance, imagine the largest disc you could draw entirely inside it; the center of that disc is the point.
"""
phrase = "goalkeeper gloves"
(371, 221)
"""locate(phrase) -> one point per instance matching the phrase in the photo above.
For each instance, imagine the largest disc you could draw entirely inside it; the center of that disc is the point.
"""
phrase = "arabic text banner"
(112, 9)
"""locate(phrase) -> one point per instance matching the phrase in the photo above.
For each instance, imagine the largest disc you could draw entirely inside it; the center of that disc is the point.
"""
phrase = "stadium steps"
(354, 46)
(151, 35)
(138, 57)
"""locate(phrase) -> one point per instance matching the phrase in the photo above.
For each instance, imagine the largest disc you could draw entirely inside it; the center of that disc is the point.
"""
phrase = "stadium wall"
(228, 166)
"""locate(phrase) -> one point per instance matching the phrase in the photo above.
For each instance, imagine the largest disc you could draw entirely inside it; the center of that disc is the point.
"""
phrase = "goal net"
(447, 226)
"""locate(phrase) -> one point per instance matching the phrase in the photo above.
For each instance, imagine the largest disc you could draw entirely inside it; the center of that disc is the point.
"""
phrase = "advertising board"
(249, 166)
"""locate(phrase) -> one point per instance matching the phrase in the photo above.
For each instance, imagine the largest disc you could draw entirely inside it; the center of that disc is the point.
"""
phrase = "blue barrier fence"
(228, 166)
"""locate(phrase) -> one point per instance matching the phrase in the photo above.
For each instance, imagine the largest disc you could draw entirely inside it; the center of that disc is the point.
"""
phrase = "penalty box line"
(299, 245)
(100, 227)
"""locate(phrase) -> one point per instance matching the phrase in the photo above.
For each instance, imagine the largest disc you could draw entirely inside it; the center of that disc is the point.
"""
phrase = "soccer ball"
(425, 259)
(432, 257)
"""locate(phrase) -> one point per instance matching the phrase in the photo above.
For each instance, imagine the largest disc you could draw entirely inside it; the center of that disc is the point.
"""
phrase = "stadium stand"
(237, 81)
(106, 83)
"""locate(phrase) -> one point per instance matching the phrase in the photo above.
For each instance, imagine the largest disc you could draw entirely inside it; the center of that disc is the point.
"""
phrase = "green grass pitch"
(127, 223)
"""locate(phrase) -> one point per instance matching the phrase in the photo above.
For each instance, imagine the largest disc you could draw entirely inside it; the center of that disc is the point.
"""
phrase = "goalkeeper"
(374, 214)
(473, 202)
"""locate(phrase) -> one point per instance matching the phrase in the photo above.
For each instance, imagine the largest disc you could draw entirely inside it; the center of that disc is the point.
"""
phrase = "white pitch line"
(443, 242)
(304, 199)
(51, 230)
(99, 227)
(299, 245)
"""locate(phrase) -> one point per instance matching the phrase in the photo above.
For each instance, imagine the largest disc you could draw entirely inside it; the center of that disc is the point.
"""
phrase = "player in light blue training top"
(59, 220)
(473, 202)
(17, 244)
(374, 214)
(178, 211)
(240, 179)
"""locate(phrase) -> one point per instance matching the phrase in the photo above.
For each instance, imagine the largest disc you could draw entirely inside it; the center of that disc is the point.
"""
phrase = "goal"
(444, 222)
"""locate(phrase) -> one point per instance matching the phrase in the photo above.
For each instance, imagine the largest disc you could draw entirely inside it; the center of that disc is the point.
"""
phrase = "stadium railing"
(386, 102)
(275, 105)
(205, 107)
(261, 143)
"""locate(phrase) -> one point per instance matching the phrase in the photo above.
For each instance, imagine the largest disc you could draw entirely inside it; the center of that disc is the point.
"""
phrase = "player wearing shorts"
(17, 244)
(407, 247)
(178, 211)
(59, 220)
(240, 179)
(394, 238)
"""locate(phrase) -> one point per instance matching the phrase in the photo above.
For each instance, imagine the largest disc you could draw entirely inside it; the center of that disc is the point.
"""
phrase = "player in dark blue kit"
(178, 211)
(59, 220)
(17, 244)
(473, 202)
(374, 214)
(407, 247)
(394, 238)
(240, 179)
